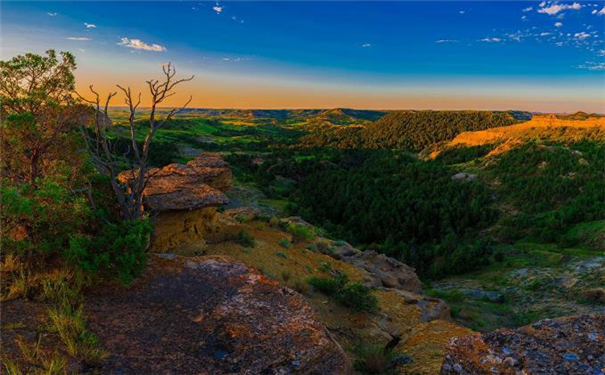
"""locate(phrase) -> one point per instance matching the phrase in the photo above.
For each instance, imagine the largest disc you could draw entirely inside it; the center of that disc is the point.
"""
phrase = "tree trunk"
(33, 167)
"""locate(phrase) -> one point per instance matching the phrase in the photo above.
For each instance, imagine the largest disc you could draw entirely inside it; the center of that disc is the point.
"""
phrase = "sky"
(538, 56)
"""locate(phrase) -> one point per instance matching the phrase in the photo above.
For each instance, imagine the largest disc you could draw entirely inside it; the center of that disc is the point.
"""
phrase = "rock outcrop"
(381, 270)
(570, 345)
(183, 198)
(518, 130)
(210, 315)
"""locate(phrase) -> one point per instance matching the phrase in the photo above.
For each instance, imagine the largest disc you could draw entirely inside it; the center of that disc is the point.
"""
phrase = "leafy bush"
(300, 232)
(358, 297)
(118, 250)
(353, 295)
(328, 285)
(284, 243)
(38, 221)
(245, 239)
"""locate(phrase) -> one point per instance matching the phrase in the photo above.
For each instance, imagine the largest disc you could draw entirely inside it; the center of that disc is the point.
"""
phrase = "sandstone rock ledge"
(570, 345)
(210, 315)
(183, 198)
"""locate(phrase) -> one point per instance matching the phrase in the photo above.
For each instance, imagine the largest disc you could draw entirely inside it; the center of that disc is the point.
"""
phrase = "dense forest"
(407, 130)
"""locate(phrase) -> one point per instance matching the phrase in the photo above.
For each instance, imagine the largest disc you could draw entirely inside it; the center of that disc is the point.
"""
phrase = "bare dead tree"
(130, 194)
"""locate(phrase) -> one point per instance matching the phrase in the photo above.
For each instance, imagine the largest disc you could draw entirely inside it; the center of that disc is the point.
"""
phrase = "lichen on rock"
(570, 345)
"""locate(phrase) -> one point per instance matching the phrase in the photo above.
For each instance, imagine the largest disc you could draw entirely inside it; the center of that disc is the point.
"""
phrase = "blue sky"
(528, 55)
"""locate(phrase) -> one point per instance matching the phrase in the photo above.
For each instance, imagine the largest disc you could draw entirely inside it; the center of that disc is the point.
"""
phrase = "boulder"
(210, 315)
(183, 198)
(390, 272)
(570, 345)
(244, 213)
(464, 176)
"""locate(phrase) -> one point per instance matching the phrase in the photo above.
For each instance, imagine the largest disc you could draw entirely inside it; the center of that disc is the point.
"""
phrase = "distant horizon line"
(355, 109)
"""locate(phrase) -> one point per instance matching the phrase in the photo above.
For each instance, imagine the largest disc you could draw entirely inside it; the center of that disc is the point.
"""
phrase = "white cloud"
(446, 41)
(90, 25)
(556, 8)
(592, 66)
(52, 14)
(581, 36)
(601, 12)
(524, 18)
(139, 44)
(78, 38)
(366, 45)
(529, 9)
(544, 34)
(558, 24)
(490, 40)
(462, 11)
(235, 59)
(217, 8)
(542, 4)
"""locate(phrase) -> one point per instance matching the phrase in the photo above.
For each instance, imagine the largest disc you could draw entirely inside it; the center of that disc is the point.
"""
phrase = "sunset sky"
(539, 56)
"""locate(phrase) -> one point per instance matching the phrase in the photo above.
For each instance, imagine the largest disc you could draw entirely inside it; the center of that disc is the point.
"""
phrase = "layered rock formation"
(517, 131)
(570, 345)
(210, 315)
(183, 198)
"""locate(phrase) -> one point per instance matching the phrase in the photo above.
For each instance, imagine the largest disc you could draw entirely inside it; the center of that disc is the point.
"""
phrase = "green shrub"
(245, 239)
(37, 221)
(300, 232)
(328, 285)
(119, 250)
(325, 266)
(284, 243)
(353, 295)
(358, 297)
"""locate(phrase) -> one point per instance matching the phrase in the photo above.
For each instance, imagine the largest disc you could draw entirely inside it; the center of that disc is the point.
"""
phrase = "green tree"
(39, 114)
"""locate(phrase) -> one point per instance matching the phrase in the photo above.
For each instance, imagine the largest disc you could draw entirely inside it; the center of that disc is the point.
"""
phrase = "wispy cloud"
(553, 9)
(54, 14)
(235, 59)
(366, 45)
(591, 65)
(446, 41)
(601, 12)
(558, 24)
(490, 40)
(462, 11)
(529, 9)
(581, 36)
(217, 8)
(139, 44)
(90, 25)
(78, 38)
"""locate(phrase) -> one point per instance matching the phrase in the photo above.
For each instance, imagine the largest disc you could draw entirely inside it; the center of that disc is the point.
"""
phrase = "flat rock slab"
(210, 315)
(570, 345)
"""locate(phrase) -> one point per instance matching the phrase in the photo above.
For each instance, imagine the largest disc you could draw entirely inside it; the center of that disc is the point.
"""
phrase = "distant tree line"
(406, 130)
